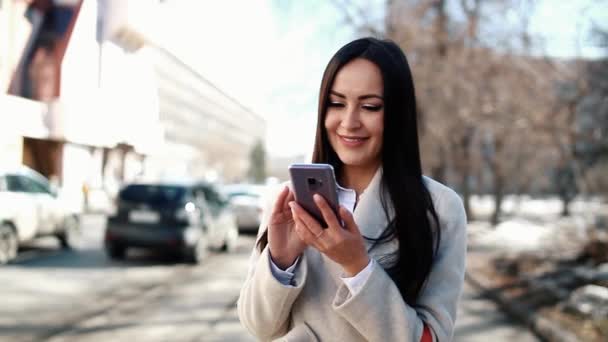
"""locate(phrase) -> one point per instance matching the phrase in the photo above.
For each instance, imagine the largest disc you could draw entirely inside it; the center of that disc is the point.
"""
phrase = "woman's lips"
(352, 141)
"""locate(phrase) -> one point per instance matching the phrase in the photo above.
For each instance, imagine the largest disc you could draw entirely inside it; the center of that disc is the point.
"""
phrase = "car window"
(33, 186)
(253, 191)
(13, 184)
(153, 194)
(26, 184)
(18, 184)
(198, 196)
(38, 186)
(211, 196)
(243, 194)
(222, 197)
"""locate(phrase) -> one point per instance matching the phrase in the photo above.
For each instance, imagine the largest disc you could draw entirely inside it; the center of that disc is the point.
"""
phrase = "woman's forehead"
(358, 77)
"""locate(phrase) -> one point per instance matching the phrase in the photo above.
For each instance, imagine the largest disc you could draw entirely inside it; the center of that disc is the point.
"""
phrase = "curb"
(542, 327)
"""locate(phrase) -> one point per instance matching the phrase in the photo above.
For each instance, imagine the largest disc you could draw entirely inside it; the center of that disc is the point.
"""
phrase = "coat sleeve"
(378, 311)
(264, 304)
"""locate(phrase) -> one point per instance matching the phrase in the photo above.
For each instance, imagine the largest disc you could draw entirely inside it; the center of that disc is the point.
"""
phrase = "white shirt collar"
(347, 198)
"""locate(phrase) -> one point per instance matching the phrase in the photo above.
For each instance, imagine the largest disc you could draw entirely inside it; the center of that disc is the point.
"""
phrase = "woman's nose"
(351, 119)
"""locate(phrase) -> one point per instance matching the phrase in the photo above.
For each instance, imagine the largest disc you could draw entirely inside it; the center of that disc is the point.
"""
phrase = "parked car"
(246, 200)
(30, 208)
(181, 219)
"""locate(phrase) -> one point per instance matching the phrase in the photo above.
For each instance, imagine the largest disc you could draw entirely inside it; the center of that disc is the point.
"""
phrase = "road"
(55, 295)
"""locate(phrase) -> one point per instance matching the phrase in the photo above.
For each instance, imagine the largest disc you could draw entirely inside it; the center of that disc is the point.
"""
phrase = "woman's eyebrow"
(362, 97)
(333, 92)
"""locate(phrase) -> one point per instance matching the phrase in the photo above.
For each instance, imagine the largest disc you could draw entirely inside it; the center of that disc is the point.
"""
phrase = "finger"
(308, 238)
(310, 222)
(303, 233)
(290, 197)
(328, 214)
(349, 220)
(280, 201)
(308, 226)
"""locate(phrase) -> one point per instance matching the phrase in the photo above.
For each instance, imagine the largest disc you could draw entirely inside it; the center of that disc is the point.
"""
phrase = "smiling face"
(355, 114)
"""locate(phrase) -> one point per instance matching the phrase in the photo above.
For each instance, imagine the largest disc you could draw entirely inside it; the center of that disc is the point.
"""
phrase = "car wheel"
(231, 240)
(196, 253)
(71, 237)
(8, 243)
(116, 251)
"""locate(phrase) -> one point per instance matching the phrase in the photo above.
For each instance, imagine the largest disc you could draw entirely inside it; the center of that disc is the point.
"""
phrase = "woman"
(394, 270)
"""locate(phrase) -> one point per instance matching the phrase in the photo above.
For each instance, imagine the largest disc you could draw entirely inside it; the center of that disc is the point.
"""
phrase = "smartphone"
(310, 179)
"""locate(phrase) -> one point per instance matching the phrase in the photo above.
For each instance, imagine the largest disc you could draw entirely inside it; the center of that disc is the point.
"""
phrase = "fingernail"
(316, 197)
(290, 204)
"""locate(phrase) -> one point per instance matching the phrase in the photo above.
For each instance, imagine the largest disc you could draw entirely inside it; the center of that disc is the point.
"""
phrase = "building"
(91, 99)
(196, 114)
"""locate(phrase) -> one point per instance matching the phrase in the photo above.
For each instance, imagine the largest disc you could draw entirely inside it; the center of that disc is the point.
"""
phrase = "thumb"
(349, 221)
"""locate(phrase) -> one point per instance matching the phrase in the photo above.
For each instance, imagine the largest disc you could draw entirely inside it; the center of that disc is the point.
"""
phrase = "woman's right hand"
(285, 245)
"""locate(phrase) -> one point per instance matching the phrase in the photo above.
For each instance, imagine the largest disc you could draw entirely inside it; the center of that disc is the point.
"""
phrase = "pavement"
(515, 238)
(55, 295)
(50, 294)
(191, 306)
(480, 320)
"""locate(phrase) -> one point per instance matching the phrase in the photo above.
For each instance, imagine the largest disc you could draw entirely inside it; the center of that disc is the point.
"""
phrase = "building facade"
(92, 100)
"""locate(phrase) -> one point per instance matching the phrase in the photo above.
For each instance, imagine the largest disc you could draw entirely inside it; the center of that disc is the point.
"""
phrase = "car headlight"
(188, 214)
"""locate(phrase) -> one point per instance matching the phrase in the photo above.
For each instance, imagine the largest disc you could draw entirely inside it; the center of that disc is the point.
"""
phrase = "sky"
(565, 25)
(270, 54)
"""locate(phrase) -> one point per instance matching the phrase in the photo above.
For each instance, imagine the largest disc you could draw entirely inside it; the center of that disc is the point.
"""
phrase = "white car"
(30, 208)
(246, 200)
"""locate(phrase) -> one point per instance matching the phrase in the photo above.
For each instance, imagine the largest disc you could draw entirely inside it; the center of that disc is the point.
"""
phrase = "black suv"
(182, 219)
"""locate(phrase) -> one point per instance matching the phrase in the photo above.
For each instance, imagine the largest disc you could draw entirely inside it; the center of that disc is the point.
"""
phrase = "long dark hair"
(402, 177)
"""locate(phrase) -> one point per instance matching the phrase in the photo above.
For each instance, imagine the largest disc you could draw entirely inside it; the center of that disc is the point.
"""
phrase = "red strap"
(426, 335)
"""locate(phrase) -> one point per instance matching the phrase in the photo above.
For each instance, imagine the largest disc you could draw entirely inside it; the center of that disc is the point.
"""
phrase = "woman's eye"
(336, 104)
(372, 108)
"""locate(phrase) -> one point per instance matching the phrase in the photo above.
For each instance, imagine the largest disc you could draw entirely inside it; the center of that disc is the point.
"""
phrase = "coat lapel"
(372, 221)
(369, 214)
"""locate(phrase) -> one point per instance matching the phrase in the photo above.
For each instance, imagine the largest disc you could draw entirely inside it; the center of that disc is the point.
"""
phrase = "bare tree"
(491, 119)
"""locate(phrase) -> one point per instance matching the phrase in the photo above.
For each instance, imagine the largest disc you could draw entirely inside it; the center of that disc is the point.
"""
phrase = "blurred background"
(98, 95)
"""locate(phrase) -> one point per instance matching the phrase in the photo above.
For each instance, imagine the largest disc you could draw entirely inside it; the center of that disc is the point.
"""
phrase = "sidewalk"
(520, 310)
(533, 281)
(480, 320)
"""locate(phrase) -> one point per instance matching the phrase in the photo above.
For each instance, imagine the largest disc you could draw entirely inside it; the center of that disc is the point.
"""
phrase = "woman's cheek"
(331, 120)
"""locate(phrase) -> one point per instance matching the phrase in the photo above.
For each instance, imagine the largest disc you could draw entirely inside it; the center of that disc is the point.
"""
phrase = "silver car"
(246, 200)
(30, 208)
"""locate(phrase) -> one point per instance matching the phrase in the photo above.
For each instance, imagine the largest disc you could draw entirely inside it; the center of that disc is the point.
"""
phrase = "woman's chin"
(349, 160)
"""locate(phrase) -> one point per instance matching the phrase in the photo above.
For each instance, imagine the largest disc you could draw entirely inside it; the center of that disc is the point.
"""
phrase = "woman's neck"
(357, 178)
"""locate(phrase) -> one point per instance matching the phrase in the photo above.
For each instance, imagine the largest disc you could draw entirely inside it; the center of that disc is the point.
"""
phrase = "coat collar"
(369, 214)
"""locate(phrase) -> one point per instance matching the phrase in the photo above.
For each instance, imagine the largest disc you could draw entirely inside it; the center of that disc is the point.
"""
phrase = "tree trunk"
(498, 197)
(566, 199)
(498, 180)
(439, 171)
(441, 25)
(465, 145)
(466, 191)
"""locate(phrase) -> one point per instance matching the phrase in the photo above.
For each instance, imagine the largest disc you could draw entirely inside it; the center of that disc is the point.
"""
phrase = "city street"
(180, 125)
(55, 295)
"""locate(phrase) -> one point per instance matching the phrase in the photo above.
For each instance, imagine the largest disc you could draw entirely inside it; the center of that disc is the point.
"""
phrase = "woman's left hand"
(344, 245)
